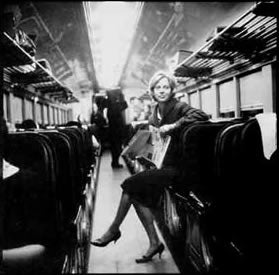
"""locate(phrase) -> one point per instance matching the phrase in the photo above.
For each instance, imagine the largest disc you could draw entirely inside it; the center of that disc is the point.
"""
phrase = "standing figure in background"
(29, 124)
(116, 106)
(98, 123)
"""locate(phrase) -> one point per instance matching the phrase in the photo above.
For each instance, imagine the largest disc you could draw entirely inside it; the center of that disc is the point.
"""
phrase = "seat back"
(197, 166)
(240, 202)
(65, 177)
(32, 214)
(78, 169)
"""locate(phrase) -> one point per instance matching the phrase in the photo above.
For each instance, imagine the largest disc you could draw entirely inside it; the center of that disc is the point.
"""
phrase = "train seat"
(242, 170)
(33, 191)
(65, 176)
(225, 169)
(188, 206)
(31, 212)
(79, 169)
(197, 144)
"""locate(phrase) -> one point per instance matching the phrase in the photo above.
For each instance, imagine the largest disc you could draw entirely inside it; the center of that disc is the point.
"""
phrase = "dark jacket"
(181, 114)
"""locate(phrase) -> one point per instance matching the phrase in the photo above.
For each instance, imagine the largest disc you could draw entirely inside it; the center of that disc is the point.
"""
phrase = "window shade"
(45, 114)
(39, 112)
(227, 96)
(252, 89)
(208, 101)
(17, 109)
(194, 100)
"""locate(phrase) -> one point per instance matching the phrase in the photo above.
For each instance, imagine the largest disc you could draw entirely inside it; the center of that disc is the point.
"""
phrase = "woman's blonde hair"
(157, 77)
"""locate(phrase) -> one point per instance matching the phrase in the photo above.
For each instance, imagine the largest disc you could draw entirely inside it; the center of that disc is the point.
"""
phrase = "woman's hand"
(165, 129)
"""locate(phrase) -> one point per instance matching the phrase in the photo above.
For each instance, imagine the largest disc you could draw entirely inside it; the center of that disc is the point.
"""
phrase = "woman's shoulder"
(182, 105)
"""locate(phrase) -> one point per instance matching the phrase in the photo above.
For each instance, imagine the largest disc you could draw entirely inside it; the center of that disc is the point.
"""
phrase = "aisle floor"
(120, 257)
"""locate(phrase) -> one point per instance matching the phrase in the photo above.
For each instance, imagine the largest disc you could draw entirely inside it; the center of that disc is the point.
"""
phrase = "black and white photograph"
(138, 137)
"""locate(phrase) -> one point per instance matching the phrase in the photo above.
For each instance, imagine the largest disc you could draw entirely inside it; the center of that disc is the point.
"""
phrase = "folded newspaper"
(147, 148)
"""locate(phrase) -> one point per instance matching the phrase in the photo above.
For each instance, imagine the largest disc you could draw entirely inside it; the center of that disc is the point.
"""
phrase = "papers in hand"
(160, 146)
(147, 147)
(145, 162)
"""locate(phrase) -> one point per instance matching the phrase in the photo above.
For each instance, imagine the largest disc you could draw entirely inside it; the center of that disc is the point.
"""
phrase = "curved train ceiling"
(164, 28)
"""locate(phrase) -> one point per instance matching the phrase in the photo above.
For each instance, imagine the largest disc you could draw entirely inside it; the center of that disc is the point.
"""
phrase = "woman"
(143, 190)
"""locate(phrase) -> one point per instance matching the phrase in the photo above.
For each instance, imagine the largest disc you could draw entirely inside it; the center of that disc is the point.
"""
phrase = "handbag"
(145, 150)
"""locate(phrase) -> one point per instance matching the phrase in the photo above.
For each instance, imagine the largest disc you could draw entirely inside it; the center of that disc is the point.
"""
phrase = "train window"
(194, 100)
(54, 115)
(208, 101)
(45, 114)
(65, 116)
(62, 116)
(69, 114)
(28, 109)
(227, 99)
(39, 113)
(51, 121)
(253, 90)
(57, 116)
(17, 109)
(5, 106)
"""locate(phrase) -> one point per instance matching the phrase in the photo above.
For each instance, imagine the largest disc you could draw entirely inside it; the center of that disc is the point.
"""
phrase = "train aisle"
(120, 257)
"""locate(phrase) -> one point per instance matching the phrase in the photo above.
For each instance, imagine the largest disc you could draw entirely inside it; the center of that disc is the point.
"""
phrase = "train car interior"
(74, 98)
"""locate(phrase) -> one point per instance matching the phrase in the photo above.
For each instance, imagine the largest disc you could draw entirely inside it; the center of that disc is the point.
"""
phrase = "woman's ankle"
(113, 229)
(154, 244)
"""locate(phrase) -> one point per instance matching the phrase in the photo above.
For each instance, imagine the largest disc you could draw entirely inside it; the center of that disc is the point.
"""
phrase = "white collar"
(158, 114)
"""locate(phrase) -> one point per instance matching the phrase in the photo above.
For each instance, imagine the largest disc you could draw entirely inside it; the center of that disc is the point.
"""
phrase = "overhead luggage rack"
(70, 99)
(14, 56)
(35, 75)
(251, 39)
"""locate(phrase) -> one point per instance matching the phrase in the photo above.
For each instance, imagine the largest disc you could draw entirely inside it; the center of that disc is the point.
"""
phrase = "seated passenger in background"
(144, 190)
(73, 123)
(95, 142)
(29, 124)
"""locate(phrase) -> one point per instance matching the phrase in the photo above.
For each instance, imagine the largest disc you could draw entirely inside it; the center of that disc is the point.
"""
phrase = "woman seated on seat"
(143, 190)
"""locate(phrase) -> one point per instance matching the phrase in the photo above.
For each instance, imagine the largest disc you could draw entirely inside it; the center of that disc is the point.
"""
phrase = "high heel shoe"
(103, 241)
(147, 258)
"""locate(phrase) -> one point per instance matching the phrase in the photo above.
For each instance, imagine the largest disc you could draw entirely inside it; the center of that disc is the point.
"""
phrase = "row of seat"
(51, 197)
(214, 217)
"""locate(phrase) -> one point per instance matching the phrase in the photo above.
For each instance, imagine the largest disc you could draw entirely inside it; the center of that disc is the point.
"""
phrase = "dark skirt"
(147, 187)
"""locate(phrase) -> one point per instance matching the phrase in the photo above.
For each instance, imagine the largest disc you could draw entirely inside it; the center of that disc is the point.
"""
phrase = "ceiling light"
(111, 28)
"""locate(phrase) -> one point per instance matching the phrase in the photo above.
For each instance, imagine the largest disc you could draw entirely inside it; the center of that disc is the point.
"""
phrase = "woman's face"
(162, 90)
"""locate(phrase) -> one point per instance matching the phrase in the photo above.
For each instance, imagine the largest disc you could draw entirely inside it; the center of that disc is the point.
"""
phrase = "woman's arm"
(188, 116)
